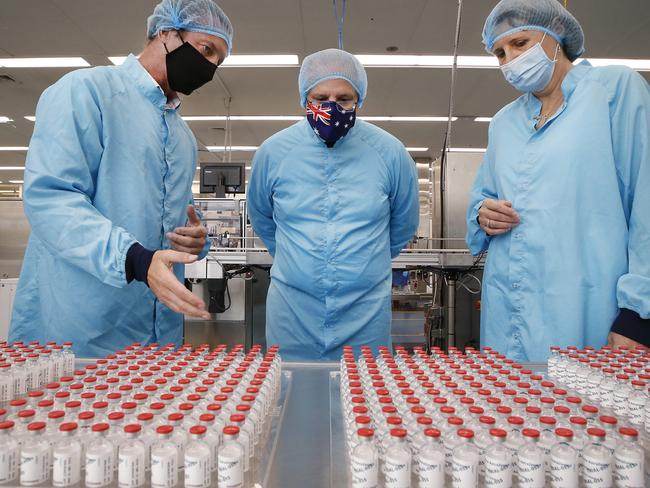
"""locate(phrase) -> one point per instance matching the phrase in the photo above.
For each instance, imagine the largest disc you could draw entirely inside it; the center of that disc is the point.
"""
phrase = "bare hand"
(191, 238)
(497, 217)
(168, 289)
(615, 341)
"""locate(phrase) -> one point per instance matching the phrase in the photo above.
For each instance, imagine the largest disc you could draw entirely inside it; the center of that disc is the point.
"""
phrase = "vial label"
(563, 474)
(530, 473)
(99, 469)
(34, 467)
(636, 412)
(364, 474)
(8, 464)
(164, 470)
(131, 469)
(66, 470)
(397, 474)
(20, 385)
(197, 471)
(628, 472)
(430, 475)
(497, 473)
(230, 472)
(596, 473)
(6, 391)
(464, 474)
(607, 398)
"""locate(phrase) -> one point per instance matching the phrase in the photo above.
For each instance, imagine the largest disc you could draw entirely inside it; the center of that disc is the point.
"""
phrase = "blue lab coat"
(110, 163)
(581, 186)
(332, 219)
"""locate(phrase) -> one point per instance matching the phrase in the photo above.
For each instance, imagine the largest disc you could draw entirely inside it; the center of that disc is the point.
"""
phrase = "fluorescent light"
(11, 168)
(13, 148)
(251, 118)
(467, 149)
(8, 191)
(4, 120)
(261, 60)
(43, 63)
(387, 60)
(417, 149)
(248, 167)
(232, 148)
(483, 119)
(16, 181)
(399, 118)
(117, 60)
(31, 118)
(636, 64)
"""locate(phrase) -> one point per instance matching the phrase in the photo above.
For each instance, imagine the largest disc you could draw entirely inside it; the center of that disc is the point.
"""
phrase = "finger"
(180, 292)
(193, 219)
(493, 216)
(179, 257)
(495, 232)
(189, 250)
(185, 241)
(495, 224)
(179, 306)
(500, 207)
(199, 231)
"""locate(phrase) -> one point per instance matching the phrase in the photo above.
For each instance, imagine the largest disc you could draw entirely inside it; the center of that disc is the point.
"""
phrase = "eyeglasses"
(341, 105)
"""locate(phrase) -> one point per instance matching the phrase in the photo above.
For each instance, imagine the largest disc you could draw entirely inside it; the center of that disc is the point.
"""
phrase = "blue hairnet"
(191, 15)
(510, 16)
(332, 64)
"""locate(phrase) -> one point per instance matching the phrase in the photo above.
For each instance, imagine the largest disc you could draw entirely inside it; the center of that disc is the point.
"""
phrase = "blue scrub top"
(332, 219)
(110, 163)
(581, 185)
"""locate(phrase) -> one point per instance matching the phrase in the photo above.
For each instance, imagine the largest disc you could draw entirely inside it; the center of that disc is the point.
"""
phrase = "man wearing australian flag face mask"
(108, 192)
(334, 199)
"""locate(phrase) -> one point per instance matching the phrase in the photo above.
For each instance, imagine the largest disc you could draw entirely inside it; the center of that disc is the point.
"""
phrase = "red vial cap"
(132, 428)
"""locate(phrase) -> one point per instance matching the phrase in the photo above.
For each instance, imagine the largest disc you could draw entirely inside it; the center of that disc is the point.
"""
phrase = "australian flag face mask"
(330, 121)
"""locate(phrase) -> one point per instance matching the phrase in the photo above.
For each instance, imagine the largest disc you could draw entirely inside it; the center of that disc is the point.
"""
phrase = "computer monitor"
(222, 178)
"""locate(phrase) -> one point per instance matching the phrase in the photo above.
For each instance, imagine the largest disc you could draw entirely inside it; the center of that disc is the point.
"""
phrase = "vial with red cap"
(564, 460)
(397, 460)
(530, 466)
(596, 462)
(464, 462)
(164, 459)
(6, 383)
(66, 457)
(10, 455)
(198, 459)
(364, 460)
(498, 461)
(429, 461)
(100, 461)
(35, 456)
(131, 458)
(230, 470)
(629, 460)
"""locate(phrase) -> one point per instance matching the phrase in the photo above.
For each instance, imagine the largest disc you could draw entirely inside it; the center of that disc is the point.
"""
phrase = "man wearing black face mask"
(334, 199)
(108, 192)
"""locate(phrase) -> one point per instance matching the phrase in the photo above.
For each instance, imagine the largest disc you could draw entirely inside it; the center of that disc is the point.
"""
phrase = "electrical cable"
(339, 20)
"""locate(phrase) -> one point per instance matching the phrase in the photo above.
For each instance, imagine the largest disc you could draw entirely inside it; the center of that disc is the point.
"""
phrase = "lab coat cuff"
(630, 324)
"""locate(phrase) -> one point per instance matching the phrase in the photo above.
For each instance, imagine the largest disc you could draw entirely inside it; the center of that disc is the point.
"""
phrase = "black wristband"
(138, 260)
(629, 324)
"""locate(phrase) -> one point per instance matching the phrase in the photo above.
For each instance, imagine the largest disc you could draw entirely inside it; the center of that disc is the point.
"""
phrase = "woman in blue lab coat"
(562, 200)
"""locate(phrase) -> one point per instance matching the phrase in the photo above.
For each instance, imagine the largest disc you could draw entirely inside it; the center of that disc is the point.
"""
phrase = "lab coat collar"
(569, 84)
(147, 85)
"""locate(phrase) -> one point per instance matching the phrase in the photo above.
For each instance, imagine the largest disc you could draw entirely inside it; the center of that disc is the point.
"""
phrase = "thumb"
(180, 257)
(192, 217)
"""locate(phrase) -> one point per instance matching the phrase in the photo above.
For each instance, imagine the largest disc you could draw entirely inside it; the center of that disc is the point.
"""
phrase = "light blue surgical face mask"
(532, 71)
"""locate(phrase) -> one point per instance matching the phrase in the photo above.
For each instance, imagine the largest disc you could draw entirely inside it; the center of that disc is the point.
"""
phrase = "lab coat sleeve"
(62, 163)
(484, 187)
(404, 203)
(630, 111)
(259, 197)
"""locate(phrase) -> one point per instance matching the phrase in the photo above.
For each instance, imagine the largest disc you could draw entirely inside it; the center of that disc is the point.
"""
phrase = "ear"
(558, 27)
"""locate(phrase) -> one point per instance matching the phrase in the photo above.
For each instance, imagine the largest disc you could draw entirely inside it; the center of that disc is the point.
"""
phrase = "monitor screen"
(222, 177)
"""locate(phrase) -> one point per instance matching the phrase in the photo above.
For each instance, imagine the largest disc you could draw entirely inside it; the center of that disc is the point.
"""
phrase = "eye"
(207, 50)
(521, 42)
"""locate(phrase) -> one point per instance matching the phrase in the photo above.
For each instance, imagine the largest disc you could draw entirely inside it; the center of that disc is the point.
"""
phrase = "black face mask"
(187, 69)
